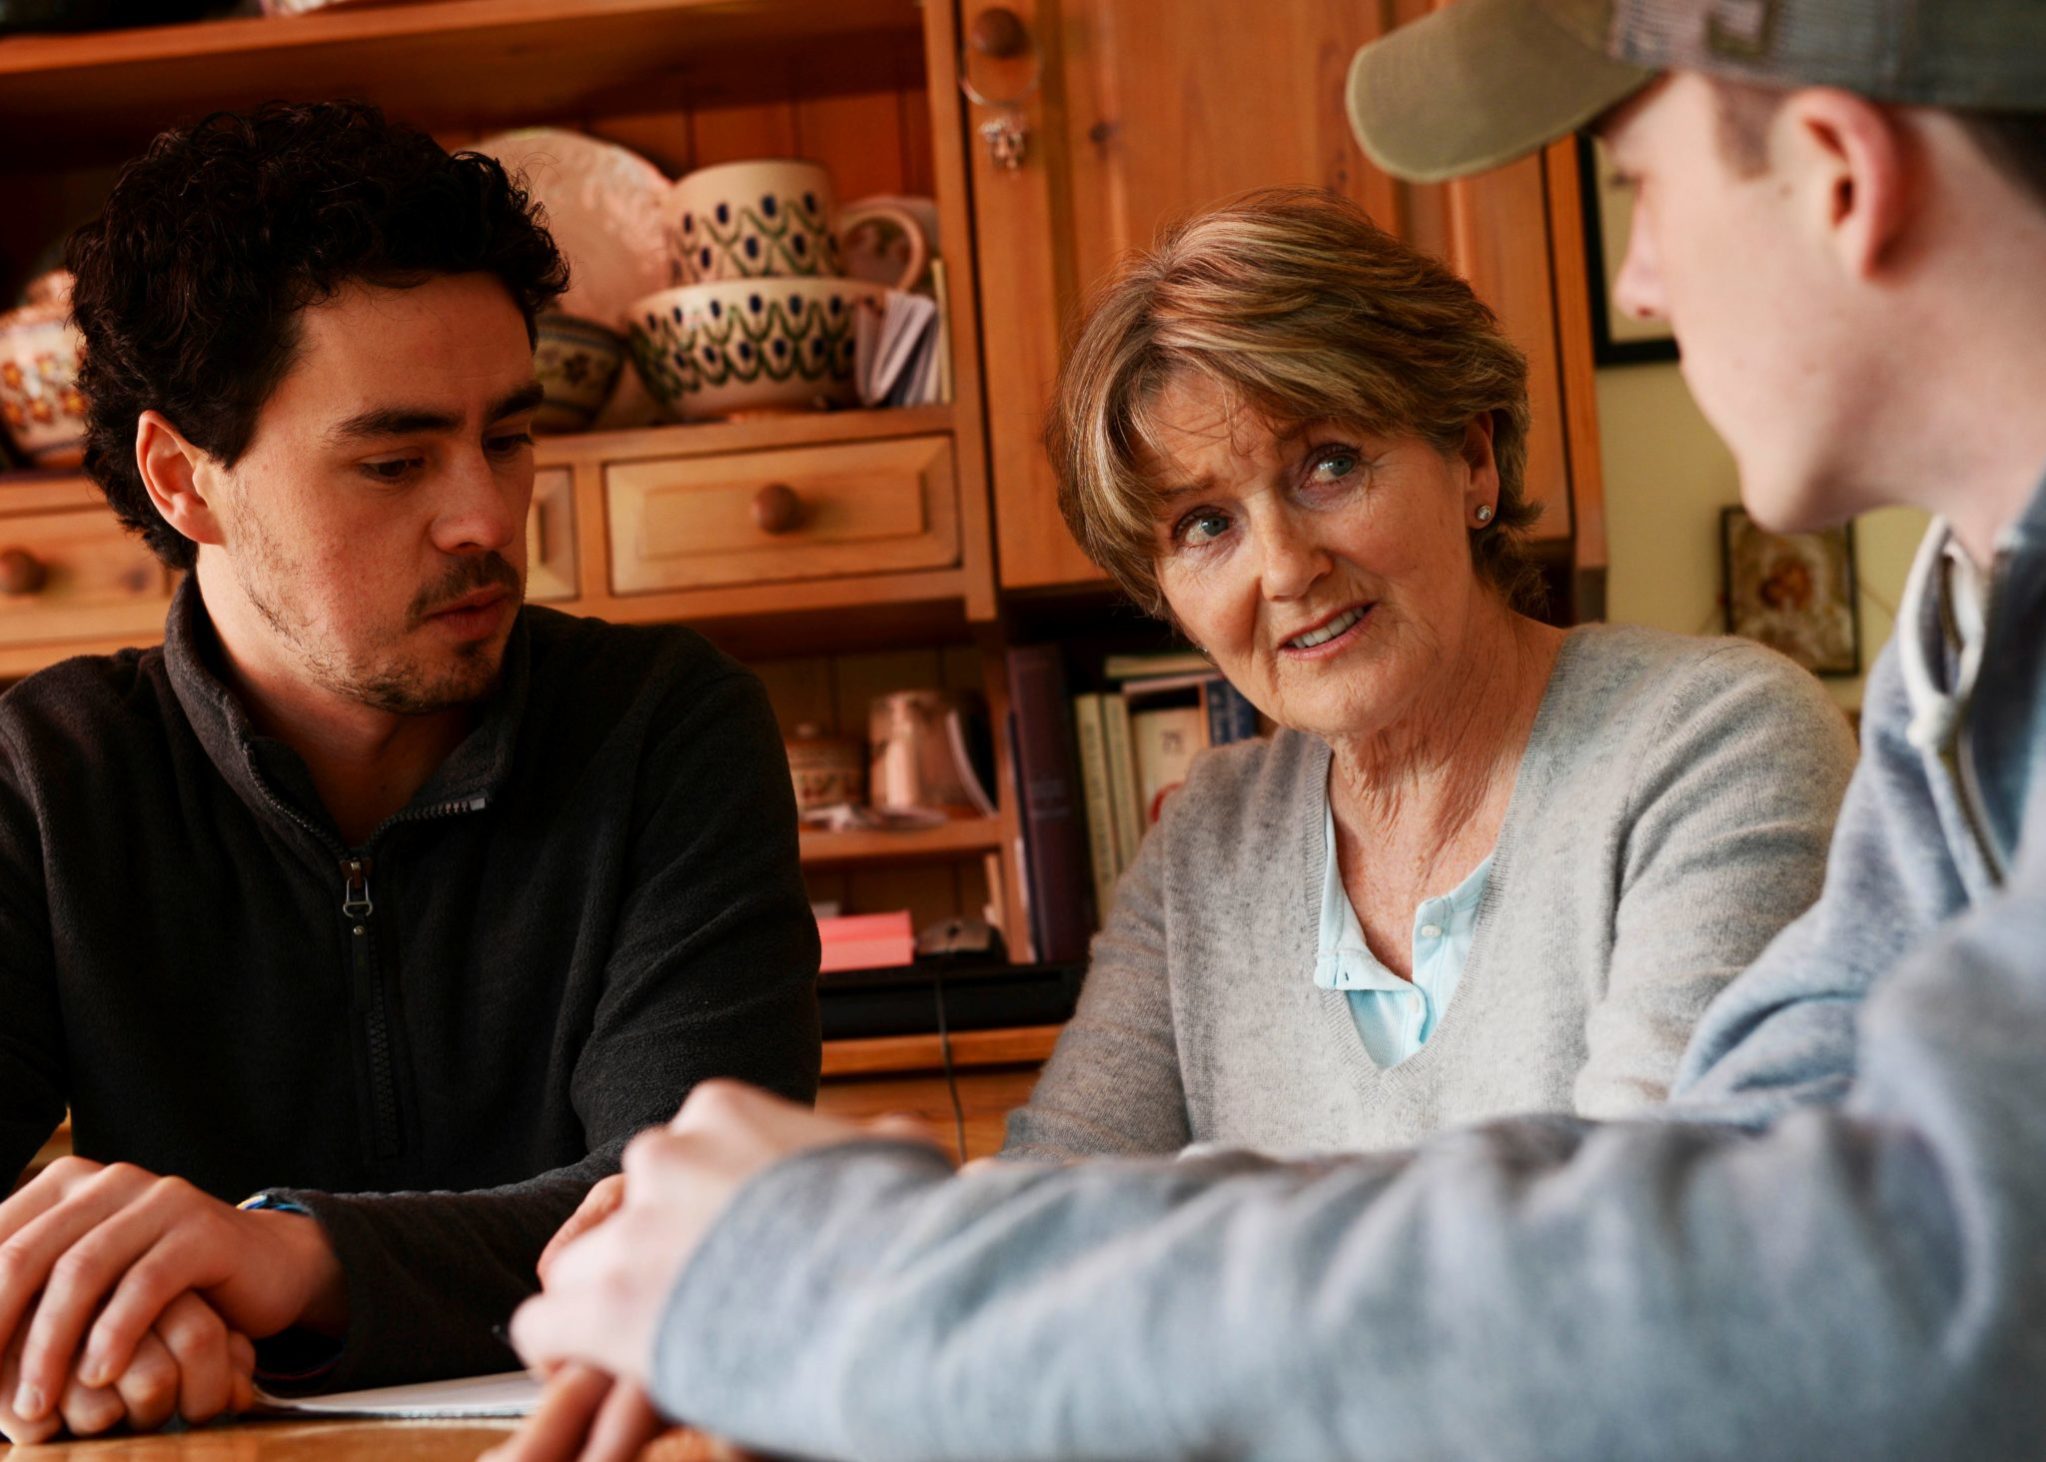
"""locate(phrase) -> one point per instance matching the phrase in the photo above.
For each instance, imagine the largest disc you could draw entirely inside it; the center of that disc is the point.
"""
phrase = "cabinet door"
(1149, 110)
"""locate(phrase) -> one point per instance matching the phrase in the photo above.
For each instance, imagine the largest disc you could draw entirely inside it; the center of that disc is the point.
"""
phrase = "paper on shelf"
(509, 1393)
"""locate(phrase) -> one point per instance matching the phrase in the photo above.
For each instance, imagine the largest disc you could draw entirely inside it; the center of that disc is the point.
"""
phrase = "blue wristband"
(271, 1203)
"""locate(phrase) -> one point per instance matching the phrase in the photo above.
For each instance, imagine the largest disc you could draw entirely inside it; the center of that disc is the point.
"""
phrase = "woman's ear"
(179, 478)
(1481, 465)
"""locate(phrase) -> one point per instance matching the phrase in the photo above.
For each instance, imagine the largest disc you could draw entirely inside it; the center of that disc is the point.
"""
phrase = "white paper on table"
(509, 1393)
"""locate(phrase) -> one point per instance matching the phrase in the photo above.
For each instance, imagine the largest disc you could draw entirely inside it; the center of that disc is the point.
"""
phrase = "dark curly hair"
(190, 283)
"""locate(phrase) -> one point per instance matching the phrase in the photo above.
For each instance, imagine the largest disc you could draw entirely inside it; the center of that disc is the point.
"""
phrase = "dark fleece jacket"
(592, 905)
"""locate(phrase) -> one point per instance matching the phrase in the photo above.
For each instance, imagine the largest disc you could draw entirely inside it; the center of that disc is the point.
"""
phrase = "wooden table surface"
(327, 1441)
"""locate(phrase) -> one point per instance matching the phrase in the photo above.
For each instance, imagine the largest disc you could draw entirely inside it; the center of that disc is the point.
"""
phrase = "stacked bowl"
(760, 317)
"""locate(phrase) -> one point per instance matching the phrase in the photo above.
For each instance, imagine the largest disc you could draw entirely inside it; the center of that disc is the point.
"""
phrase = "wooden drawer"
(550, 537)
(98, 580)
(765, 517)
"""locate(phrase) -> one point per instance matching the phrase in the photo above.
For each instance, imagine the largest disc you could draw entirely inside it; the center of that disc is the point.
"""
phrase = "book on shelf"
(1137, 742)
(1123, 802)
(1103, 856)
(1166, 739)
(1053, 813)
(865, 941)
(1153, 666)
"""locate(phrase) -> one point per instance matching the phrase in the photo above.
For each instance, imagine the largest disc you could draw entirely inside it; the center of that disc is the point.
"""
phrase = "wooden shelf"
(29, 489)
(886, 1055)
(871, 845)
(769, 432)
(473, 63)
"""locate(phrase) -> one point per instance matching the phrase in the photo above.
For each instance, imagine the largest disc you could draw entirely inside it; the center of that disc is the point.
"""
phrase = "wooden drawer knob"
(777, 509)
(999, 32)
(21, 572)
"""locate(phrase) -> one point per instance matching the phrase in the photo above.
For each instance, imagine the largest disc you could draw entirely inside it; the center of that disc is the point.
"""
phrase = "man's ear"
(179, 477)
(1858, 163)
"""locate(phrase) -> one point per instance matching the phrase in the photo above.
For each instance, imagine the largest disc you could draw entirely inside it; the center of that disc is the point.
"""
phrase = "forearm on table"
(432, 1277)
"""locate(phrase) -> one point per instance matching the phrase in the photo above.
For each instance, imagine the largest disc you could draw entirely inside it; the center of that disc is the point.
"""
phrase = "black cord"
(945, 1050)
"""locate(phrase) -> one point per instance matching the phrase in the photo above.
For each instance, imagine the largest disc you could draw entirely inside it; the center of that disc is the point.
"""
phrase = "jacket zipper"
(357, 907)
(366, 989)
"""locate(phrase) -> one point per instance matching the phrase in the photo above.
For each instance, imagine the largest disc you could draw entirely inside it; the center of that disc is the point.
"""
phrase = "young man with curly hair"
(373, 897)
(1841, 211)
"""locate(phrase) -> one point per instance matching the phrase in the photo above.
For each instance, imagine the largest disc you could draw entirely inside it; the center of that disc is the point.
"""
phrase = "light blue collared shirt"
(1395, 1017)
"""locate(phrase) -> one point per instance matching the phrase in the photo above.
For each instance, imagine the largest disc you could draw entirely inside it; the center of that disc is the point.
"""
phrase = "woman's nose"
(1291, 560)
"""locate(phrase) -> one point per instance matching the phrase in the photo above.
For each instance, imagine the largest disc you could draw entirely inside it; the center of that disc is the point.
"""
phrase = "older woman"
(1485, 865)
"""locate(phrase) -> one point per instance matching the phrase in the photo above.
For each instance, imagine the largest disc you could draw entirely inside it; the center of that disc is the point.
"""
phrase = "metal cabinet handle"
(21, 573)
(777, 509)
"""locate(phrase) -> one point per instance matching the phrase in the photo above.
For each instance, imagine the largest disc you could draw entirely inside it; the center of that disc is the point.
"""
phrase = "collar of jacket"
(272, 779)
(1999, 730)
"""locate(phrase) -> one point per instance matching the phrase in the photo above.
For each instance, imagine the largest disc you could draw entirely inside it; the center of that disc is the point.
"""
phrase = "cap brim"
(1478, 84)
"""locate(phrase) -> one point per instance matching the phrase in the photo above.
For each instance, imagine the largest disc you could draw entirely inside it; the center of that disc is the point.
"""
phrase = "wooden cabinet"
(847, 553)
(1142, 111)
(853, 543)
(69, 574)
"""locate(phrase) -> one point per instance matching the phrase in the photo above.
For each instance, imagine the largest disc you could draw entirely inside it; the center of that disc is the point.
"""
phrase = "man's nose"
(1638, 289)
(483, 511)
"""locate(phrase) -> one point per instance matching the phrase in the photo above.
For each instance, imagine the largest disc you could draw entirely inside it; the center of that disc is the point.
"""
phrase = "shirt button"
(1431, 931)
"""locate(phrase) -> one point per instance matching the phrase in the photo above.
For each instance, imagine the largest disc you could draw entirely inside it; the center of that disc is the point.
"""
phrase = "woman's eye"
(1335, 464)
(1203, 525)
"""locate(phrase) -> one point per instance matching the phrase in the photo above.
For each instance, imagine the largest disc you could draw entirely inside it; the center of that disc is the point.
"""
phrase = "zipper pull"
(355, 900)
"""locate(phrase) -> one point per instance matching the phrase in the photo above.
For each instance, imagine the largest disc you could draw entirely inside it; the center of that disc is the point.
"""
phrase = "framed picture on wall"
(1795, 592)
(1617, 338)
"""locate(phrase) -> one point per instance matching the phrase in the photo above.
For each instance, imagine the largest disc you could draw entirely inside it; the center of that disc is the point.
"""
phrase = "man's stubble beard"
(394, 684)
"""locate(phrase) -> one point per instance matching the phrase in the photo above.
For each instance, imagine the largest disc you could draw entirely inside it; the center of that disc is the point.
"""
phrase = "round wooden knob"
(999, 32)
(21, 572)
(776, 508)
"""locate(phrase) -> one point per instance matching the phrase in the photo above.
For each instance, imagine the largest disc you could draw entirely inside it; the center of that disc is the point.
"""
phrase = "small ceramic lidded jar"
(41, 410)
(827, 770)
(770, 219)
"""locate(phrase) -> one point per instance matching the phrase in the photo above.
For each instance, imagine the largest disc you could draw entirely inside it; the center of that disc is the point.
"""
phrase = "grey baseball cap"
(1485, 81)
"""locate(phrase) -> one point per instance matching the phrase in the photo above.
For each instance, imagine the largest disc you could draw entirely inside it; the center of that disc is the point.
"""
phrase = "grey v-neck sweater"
(1672, 813)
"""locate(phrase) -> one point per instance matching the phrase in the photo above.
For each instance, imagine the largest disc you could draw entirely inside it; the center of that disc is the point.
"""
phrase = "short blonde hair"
(1296, 302)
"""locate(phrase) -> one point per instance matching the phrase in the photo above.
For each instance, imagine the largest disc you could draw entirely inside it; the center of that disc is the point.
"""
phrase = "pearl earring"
(1484, 514)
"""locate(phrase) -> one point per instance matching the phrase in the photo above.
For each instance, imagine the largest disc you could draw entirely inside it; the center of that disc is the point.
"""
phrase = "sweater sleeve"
(31, 1028)
(1861, 1281)
(1729, 818)
(1783, 1035)
(712, 973)
(1112, 1084)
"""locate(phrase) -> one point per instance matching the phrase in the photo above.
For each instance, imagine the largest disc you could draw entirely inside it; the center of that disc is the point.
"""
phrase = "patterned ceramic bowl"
(577, 362)
(40, 408)
(737, 345)
(766, 219)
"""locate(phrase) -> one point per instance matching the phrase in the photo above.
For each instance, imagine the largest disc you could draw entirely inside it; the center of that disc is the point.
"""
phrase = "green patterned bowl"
(708, 350)
(577, 362)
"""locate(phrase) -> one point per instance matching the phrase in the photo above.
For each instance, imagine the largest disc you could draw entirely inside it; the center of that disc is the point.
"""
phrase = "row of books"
(1093, 772)
(1136, 744)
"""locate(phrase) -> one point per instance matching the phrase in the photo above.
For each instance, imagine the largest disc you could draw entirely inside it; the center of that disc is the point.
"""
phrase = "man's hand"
(598, 1204)
(189, 1364)
(607, 1285)
(583, 1413)
(120, 1244)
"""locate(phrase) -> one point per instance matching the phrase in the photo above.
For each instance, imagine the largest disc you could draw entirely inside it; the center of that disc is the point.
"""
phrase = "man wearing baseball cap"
(1837, 1246)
